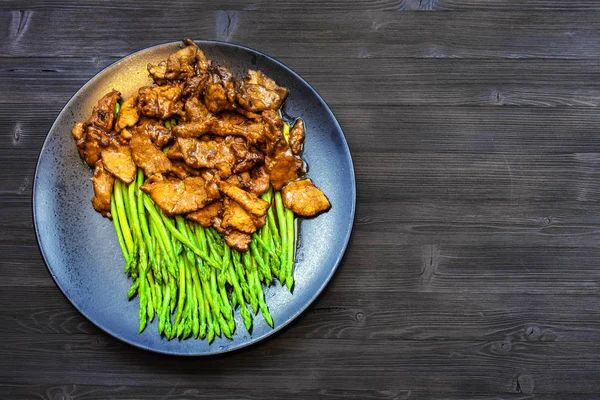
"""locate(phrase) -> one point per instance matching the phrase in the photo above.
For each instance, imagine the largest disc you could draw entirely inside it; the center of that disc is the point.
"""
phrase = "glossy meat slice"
(304, 198)
(158, 132)
(94, 134)
(258, 92)
(147, 156)
(177, 196)
(249, 201)
(206, 154)
(103, 186)
(103, 115)
(179, 65)
(297, 136)
(222, 126)
(238, 240)
(246, 158)
(220, 93)
(260, 181)
(205, 215)
(256, 182)
(129, 114)
(237, 218)
(282, 165)
(118, 161)
(158, 72)
(195, 110)
(160, 101)
(95, 140)
(182, 170)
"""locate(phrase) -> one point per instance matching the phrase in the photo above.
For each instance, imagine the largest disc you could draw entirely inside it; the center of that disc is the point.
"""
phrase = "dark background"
(474, 266)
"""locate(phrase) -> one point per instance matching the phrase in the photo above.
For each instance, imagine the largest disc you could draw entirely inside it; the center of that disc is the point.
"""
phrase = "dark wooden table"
(474, 267)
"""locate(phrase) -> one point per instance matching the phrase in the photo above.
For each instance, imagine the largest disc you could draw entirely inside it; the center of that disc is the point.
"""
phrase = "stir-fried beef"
(206, 154)
(249, 201)
(129, 114)
(146, 155)
(208, 144)
(297, 136)
(118, 161)
(157, 131)
(103, 185)
(237, 218)
(205, 215)
(94, 134)
(160, 101)
(282, 165)
(224, 125)
(238, 240)
(103, 116)
(178, 196)
(195, 110)
(304, 198)
(258, 92)
(220, 93)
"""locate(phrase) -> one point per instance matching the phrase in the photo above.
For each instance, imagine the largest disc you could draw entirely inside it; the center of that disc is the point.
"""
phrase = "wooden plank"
(328, 5)
(368, 315)
(419, 82)
(48, 31)
(459, 367)
(394, 391)
(409, 129)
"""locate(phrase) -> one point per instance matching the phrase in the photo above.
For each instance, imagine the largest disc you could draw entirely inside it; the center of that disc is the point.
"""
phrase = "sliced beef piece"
(179, 65)
(207, 154)
(193, 87)
(174, 152)
(246, 158)
(272, 117)
(237, 218)
(220, 93)
(178, 196)
(158, 72)
(304, 198)
(160, 101)
(158, 132)
(182, 170)
(202, 63)
(258, 92)
(282, 165)
(129, 114)
(94, 141)
(95, 134)
(243, 127)
(260, 181)
(103, 186)
(118, 161)
(103, 115)
(297, 136)
(238, 240)
(249, 201)
(146, 155)
(195, 110)
(205, 215)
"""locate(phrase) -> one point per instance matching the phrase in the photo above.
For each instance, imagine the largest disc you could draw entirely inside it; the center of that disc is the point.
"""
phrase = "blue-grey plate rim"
(278, 327)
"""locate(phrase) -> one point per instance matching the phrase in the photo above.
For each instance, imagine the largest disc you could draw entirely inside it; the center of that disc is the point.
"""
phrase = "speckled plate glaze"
(80, 246)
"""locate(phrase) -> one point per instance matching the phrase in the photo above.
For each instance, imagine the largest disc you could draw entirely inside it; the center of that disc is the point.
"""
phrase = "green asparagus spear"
(283, 231)
(115, 216)
(289, 216)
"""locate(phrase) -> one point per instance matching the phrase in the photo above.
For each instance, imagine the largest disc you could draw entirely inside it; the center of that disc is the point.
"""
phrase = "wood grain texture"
(474, 268)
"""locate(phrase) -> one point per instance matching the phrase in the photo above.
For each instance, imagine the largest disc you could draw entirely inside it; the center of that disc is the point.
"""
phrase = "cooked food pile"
(202, 178)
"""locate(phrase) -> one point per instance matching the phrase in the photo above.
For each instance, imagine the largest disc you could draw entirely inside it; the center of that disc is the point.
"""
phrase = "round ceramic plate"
(80, 246)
